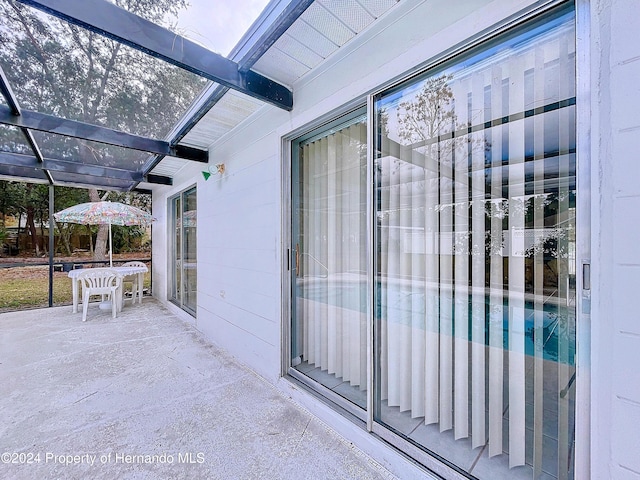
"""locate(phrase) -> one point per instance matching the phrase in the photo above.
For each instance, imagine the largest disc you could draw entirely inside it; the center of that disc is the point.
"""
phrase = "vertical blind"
(330, 319)
(475, 267)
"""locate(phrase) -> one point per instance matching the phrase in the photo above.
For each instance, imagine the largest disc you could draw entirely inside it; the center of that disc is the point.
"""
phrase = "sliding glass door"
(473, 302)
(329, 250)
(183, 283)
(475, 194)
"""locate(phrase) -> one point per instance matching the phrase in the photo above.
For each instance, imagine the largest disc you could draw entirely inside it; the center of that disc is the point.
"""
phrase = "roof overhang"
(289, 39)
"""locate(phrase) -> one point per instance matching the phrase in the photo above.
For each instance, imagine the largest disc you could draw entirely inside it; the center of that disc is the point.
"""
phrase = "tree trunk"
(44, 244)
(64, 234)
(31, 228)
(18, 233)
(90, 240)
(100, 250)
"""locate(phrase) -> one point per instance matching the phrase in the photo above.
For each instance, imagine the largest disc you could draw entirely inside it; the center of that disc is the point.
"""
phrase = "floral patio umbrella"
(104, 213)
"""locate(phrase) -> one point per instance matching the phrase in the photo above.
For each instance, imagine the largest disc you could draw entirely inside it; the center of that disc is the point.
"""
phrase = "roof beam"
(159, 179)
(19, 172)
(85, 181)
(18, 160)
(114, 22)
(64, 166)
(7, 92)
(71, 128)
(270, 26)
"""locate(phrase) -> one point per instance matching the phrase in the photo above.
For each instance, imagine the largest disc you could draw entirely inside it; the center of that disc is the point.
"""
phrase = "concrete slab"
(145, 396)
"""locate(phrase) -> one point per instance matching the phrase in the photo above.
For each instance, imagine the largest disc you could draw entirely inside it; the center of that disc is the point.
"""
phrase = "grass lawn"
(28, 287)
(16, 293)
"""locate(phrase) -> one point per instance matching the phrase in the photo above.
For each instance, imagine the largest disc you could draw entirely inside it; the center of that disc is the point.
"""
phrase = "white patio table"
(122, 271)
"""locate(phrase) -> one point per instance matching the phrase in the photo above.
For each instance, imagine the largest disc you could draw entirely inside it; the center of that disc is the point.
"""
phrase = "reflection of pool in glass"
(408, 308)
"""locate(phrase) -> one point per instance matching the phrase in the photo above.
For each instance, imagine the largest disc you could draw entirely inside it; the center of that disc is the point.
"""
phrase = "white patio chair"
(100, 281)
(133, 279)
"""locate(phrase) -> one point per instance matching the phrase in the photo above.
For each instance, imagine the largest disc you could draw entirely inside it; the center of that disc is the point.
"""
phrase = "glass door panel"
(176, 250)
(475, 300)
(189, 275)
(183, 286)
(328, 341)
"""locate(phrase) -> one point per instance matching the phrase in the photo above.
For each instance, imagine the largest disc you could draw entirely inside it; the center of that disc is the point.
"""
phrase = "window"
(183, 265)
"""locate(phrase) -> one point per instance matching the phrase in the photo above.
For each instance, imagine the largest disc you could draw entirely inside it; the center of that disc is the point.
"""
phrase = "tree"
(429, 113)
(64, 70)
(127, 238)
(65, 197)
(27, 201)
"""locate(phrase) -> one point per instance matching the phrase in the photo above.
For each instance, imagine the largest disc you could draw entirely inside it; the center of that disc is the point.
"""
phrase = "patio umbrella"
(104, 213)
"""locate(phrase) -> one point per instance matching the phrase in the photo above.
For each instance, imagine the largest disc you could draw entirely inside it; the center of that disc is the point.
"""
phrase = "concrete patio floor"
(145, 396)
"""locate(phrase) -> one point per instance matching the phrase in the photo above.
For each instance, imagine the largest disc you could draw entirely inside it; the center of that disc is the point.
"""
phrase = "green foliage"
(11, 196)
(65, 197)
(61, 69)
(16, 198)
(127, 239)
(140, 200)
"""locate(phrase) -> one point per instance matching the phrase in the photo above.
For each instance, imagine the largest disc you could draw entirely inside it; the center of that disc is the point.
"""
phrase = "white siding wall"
(240, 215)
(616, 238)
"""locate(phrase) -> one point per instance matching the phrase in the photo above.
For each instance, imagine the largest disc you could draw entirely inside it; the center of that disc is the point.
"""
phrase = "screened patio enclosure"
(94, 95)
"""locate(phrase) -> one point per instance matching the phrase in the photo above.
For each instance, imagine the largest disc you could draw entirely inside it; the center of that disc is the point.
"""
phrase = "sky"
(219, 24)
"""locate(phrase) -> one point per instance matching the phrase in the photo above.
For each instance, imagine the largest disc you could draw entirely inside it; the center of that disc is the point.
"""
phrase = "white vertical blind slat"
(432, 299)
(347, 185)
(446, 289)
(325, 233)
(461, 254)
(538, 263)
(478, 415)
(496, 314)
(334, 254)
(517, 413)
(404, 317)
(417, 290)
(394, 334)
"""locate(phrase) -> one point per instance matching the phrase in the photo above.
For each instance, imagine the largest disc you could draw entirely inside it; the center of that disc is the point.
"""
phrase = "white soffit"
(225, 115)
(321, 30)
(169, 166)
